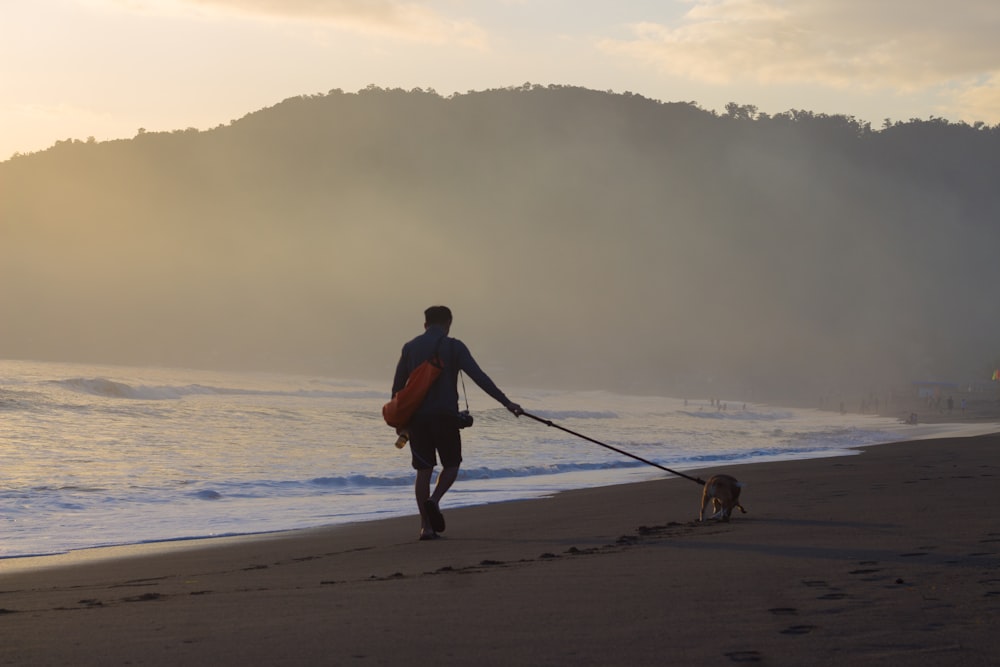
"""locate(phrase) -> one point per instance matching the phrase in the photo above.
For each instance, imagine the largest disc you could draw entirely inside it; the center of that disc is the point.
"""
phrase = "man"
(434, 428)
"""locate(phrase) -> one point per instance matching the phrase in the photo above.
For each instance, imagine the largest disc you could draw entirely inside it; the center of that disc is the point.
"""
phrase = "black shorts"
(435, 434)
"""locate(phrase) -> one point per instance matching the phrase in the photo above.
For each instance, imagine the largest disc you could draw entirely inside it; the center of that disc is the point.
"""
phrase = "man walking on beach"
(434, 428)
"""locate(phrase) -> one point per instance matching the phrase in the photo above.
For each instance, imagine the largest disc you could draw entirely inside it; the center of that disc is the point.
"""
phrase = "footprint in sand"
(868, 573)
(744, 656)
(816, 583)
(784, 611)
(145, 597)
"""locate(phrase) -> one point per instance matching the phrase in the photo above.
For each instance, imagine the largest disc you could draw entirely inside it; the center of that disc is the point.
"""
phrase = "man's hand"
(515, 408)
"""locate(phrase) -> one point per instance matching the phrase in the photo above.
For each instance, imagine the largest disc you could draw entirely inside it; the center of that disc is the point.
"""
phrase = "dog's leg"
(717, 509)
(704, 504)
(736, 497)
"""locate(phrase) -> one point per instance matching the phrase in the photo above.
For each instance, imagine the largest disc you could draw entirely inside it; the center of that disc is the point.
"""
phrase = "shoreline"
(71, 557)
(870, 559)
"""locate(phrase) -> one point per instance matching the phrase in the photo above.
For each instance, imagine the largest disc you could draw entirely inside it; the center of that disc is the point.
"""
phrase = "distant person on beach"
(434, 429)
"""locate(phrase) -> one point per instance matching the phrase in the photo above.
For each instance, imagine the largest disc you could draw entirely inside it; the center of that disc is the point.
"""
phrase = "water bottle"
(401, 441)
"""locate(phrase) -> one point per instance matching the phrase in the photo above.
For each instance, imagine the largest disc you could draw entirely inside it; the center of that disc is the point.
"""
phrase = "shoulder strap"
(435, 357)
(454, 360)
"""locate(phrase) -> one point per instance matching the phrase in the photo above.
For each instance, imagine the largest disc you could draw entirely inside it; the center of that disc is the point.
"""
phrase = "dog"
(724, 492)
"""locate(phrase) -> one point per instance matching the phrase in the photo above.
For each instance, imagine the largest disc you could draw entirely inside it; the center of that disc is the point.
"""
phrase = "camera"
(464, 419)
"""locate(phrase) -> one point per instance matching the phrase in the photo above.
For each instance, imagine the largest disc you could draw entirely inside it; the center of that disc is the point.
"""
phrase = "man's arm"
(468, 364)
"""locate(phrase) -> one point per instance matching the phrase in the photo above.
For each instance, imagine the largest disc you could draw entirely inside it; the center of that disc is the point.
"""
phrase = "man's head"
(439, 315)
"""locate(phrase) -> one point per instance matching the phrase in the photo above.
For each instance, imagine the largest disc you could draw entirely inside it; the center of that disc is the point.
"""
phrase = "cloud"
(978, 101)
(900, 45)
(411, 21)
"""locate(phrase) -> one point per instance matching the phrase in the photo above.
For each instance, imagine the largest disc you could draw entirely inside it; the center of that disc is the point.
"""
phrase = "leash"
(547, 422)
(464, 395)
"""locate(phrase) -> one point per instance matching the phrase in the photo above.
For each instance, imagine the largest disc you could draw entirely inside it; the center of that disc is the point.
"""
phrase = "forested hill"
(582, 237)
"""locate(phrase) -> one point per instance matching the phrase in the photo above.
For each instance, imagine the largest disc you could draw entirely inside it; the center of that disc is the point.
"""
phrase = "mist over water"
(583, 239)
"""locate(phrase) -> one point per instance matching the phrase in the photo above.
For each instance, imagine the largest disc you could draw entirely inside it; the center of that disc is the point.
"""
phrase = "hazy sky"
(104, 68)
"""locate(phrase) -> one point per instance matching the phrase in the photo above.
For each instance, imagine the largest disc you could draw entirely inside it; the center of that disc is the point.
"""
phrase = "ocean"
(100, 455)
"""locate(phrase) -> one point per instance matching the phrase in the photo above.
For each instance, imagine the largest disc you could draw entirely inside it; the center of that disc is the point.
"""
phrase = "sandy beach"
(888, 557)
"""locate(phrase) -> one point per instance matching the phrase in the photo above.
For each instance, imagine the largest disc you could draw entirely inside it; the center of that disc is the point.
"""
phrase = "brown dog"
(724, 492)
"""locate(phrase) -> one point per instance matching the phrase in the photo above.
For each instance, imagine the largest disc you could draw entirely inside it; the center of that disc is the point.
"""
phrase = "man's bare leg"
(422, 494)
(422, 491)
(444, 482)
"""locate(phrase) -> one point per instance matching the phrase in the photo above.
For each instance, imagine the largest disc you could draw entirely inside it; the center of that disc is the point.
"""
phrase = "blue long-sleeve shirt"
(442, 398)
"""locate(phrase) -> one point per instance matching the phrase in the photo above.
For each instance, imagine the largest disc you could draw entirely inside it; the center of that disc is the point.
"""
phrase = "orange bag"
(398, 412)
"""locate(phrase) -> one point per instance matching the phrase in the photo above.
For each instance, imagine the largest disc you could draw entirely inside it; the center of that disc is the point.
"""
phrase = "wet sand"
(884, 558)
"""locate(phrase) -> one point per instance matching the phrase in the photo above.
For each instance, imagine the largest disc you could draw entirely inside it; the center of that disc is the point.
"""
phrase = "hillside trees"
(583, 237)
